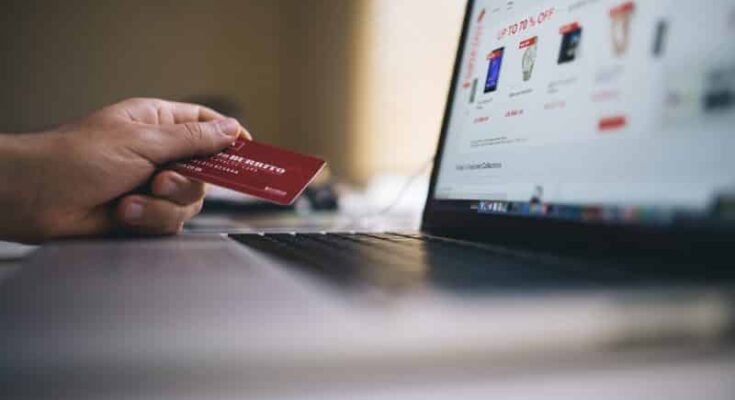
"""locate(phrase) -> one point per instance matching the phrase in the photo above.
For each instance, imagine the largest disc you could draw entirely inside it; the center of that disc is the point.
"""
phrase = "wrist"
(21, 164)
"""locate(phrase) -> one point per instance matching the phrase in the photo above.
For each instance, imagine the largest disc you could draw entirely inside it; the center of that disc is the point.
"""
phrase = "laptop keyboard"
(396, 260)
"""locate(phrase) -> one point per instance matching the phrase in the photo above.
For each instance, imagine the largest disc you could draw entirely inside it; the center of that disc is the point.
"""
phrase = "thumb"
(190, 139)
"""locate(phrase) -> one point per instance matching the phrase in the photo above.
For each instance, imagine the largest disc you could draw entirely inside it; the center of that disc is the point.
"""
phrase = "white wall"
(405, 59)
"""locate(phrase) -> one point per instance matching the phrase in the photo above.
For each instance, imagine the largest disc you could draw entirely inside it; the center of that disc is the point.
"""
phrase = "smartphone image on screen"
(473, 93)
(571, 37)
(495, 59)
(659, 42)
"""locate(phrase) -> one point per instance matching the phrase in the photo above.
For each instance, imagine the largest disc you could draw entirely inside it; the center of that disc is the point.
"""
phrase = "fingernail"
(229, 127)
(168, 187)
(134, 212)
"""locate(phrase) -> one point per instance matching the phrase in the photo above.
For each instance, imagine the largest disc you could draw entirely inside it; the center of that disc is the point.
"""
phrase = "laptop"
(584, 181)
(575, 131)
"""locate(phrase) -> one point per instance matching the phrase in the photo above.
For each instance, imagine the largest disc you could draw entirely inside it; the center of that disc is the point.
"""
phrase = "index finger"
(164, 112)
(187, 112)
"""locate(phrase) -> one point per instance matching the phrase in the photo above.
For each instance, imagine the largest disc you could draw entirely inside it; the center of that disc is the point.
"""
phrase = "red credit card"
(256, 169)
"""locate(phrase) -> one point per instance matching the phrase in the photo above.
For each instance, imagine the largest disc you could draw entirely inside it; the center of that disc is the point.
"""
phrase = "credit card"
(257, 169)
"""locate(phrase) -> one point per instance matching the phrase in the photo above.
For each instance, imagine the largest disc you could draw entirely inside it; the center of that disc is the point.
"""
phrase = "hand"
(100, 175)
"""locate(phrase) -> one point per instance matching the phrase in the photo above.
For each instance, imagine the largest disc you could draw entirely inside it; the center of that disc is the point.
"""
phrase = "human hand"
(100, 175)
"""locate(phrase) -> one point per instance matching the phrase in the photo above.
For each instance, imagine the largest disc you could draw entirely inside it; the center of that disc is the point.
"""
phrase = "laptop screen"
(593, 110)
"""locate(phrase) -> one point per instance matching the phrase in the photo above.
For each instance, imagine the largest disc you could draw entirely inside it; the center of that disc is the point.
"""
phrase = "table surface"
(708, 374)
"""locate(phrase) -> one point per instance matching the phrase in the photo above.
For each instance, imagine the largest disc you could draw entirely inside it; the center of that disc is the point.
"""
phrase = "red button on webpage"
(528, 42)
(612, 123)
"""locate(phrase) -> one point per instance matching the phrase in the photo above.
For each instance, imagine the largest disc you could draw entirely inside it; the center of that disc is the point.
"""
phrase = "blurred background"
(361, 83)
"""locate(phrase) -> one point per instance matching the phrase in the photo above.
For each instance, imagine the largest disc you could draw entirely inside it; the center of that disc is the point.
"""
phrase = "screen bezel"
(547, 232)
